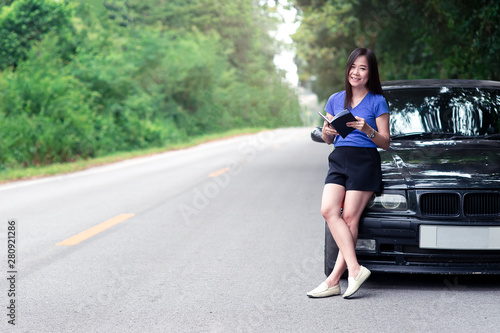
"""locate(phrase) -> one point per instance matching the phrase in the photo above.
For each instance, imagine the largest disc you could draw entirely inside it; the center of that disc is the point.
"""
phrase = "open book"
(339, 122)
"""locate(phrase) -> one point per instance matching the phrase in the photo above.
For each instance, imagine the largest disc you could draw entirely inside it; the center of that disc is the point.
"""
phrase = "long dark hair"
(373, 83)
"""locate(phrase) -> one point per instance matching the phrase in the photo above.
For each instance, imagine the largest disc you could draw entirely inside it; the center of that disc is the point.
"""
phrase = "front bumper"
(397, 249)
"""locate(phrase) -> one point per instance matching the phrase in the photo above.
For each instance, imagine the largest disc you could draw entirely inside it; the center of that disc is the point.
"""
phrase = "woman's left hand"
(359, 125)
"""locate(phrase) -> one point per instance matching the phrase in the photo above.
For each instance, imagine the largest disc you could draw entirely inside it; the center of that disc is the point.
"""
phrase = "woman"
(355, 171)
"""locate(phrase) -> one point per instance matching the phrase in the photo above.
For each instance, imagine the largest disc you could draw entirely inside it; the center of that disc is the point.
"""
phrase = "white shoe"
(353, 284)
(323, 291)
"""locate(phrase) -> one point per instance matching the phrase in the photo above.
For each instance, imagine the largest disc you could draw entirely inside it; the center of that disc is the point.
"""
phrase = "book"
(339, 122)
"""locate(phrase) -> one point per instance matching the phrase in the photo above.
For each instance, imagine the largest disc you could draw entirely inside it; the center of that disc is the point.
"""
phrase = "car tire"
(331, 253)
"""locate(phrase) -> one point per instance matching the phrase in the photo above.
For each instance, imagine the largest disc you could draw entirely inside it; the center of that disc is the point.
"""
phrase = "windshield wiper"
(475, 137)
(492, 136)
(495, 136)
(450, 136)
(420, 135)
(407, 136)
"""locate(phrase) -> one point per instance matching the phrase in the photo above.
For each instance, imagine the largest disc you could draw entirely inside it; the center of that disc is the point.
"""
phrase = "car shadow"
(398, 281)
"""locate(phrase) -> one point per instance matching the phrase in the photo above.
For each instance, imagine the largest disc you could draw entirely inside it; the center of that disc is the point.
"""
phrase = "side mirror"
(316, 134)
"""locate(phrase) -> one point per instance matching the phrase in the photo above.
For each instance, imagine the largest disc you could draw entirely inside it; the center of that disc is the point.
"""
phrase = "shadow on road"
(430, 281)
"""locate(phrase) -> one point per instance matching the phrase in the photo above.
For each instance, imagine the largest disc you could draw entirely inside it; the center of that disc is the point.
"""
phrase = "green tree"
(138, 76)
(5, 2)
(324, 40)
(412, 39)
(27, 21)
(241, 43)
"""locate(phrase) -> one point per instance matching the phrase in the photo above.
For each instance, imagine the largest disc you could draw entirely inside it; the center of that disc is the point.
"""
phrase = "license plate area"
(459, 237)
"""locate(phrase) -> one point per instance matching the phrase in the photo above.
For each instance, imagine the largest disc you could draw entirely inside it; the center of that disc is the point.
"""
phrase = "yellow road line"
(218, 172)
(95, 230)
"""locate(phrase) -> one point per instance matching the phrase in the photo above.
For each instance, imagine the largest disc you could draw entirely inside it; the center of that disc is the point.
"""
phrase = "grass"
(22, 173)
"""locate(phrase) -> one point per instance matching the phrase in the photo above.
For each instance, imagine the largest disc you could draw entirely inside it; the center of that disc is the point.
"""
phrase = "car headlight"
(388, 201)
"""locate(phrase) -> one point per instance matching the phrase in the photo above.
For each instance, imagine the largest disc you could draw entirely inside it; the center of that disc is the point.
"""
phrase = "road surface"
(222, 237)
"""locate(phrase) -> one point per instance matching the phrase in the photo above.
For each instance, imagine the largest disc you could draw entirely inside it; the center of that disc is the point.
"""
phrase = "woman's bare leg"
(331, 207)
(344, 228)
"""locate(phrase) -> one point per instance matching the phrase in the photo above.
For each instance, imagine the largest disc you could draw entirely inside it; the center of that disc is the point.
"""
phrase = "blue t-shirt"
(371, 107)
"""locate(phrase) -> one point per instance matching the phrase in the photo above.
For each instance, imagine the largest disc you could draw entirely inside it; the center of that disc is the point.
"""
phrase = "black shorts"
(355, 168)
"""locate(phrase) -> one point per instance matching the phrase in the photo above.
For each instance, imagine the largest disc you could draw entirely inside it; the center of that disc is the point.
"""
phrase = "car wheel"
(331, 253)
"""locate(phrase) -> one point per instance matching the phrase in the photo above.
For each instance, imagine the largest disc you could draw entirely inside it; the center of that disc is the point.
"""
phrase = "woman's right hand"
(328, 130)
(328, 133)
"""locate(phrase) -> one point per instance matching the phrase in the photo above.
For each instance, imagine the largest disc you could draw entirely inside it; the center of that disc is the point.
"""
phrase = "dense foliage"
(453, 39)
(87, 78)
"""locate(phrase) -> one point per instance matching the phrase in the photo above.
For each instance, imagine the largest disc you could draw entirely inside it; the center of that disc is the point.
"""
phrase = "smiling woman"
(354, 173)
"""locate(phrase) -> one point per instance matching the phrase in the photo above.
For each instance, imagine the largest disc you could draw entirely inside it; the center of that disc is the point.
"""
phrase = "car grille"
(440, 204)
(450, 204)
(482, 204)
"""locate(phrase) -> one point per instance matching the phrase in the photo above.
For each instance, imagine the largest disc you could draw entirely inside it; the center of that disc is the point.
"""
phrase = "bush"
(45, 110)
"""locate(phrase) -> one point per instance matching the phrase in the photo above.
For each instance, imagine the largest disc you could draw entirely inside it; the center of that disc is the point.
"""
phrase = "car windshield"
(444, 112)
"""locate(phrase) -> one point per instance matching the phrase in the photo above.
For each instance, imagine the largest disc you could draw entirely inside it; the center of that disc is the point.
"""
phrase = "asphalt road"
(222, 237)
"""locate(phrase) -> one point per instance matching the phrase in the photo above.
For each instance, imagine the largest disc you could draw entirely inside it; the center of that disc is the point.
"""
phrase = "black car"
(439, 211)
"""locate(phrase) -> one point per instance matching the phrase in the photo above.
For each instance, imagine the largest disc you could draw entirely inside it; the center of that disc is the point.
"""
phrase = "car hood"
(441, 164)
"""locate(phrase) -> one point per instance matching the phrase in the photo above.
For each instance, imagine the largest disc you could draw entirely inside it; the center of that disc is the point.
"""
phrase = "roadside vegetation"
(85, 80)
(413, 39)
